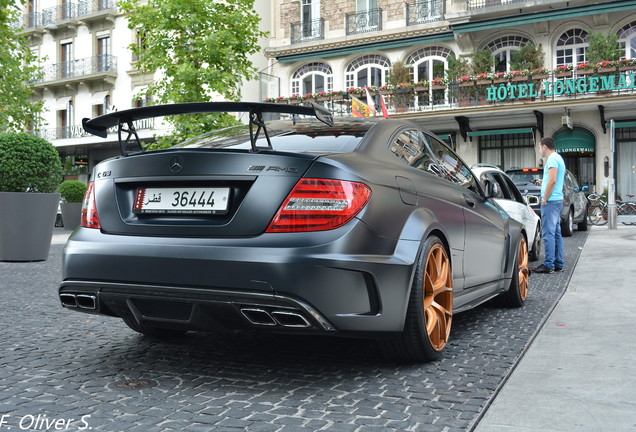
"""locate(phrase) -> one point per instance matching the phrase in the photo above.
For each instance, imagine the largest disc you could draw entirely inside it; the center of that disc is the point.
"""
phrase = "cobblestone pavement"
(90, 372)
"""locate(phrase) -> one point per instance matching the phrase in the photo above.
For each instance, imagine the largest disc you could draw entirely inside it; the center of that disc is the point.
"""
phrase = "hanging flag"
(385, 113)
(359, 108)
(370, 102)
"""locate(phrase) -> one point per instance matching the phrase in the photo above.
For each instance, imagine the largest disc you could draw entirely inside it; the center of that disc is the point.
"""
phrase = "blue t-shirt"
(554, 161)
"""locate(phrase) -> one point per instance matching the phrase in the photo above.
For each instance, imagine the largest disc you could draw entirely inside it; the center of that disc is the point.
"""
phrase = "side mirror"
(531, 199)
(492, 189)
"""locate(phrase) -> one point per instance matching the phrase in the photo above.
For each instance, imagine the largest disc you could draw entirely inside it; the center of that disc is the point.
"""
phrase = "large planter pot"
(71, 215)
(26, 225)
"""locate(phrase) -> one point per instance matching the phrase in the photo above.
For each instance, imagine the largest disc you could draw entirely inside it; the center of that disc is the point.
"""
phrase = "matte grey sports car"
(358, 227)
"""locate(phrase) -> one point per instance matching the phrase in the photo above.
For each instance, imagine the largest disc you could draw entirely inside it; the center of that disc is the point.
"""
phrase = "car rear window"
(525, 177)
(288, 136)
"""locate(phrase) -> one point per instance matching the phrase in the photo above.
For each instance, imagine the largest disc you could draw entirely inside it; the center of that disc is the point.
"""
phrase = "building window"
(508, 150)
(626, 162)
(366, 5)
(142, 101)
(429, 63)
(65, 120)
(103, 54)
(627, 39)
(369, 70)
(503, 48)
(66, 59)
(571, 48)
(312, 78)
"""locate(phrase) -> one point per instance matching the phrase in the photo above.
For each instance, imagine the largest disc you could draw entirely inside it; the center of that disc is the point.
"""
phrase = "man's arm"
(552, 176)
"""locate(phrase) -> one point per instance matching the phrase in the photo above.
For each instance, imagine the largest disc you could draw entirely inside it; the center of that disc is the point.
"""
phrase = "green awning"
(365, 47)
(619, 125)
(594, 8)
(577, 140)
(500, 132)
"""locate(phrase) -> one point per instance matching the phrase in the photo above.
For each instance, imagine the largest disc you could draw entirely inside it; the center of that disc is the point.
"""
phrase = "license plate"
(181, 200)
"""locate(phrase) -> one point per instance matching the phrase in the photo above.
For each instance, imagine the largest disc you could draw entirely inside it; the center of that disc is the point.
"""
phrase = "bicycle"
(597, 211)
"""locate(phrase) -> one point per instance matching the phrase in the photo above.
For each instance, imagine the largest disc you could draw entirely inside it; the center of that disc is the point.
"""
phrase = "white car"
(514, 203)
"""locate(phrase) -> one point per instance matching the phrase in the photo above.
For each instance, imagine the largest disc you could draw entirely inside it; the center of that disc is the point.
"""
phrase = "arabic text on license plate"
(190, 200)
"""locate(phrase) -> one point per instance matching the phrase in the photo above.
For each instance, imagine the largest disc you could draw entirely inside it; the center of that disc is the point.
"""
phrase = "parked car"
(575, 202)
(516, 205)
(356, 227)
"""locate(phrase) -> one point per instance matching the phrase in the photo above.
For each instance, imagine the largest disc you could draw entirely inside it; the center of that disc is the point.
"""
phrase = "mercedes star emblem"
(176, 164)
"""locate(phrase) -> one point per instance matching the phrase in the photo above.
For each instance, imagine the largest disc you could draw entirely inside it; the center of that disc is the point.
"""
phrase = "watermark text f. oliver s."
(41, 422)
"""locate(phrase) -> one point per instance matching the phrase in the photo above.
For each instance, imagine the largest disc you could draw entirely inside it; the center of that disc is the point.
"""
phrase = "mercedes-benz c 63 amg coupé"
(355, 227)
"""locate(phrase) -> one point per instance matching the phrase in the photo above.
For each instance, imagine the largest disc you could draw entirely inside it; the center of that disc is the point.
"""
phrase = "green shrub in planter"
(72, 191)
(28, 164)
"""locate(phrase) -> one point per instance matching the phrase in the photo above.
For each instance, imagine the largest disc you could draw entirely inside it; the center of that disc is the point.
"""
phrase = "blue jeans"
(551, 232)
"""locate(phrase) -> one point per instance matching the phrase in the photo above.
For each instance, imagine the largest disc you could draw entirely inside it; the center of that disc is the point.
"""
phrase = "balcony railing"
(308, 31)
(420, 12)
(66, 11)
(479, 4)
(363, 22)
(539, 88)
(51, 134)
(79, 68)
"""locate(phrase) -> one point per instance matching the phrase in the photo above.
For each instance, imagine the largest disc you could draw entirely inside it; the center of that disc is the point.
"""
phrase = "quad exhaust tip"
(81, 301)
(281, 318)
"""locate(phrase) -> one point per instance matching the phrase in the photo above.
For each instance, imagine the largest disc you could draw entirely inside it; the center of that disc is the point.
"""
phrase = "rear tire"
(567, 226)
(518, 290)
(430, 310)
(582, 226)
(153, 332)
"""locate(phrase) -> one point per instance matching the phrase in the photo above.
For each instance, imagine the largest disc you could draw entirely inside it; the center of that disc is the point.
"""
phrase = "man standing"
(551, 205)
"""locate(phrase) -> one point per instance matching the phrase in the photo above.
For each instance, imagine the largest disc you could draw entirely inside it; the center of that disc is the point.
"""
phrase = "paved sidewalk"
(579, 374)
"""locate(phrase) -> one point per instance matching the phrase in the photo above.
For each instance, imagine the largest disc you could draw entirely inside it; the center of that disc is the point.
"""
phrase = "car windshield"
(525, 177)
(288, 136)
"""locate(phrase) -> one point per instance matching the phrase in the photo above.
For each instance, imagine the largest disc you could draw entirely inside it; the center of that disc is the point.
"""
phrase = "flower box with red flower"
(626, 64)
(439, 83)
(466, 80)
(421, 86)
(539, 74)
(563, 71)
(606, 66)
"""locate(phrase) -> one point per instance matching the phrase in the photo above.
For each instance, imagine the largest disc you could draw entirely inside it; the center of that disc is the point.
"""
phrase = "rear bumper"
(346, 281)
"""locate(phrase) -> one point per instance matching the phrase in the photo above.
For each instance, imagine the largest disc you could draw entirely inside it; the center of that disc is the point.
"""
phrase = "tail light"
(90, 219)
(320, 205)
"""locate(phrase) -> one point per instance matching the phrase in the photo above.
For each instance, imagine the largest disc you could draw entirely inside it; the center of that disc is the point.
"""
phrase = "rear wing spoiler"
(124, 119)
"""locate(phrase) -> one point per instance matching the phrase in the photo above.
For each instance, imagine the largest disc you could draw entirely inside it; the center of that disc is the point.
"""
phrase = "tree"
(529, 57)
(201, 47)
(457, 68)
(603, 46)
(18, 110)
(483, 61)
(400, 73)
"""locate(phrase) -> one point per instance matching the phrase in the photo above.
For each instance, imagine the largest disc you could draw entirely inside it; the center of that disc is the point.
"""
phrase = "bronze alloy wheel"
(522, 268)
(438, 296)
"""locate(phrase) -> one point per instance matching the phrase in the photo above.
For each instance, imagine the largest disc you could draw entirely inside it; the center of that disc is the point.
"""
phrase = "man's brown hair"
(548, 142)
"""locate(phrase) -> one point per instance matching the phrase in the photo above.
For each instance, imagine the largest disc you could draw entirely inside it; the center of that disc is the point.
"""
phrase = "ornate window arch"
(503, 47)
(312, 78)
(368, 70)
(627, 39)
(429, 63)
(571, 48)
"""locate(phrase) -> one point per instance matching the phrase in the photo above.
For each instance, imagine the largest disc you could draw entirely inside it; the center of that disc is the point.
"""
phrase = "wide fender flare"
(515, 231)
(420, 225)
